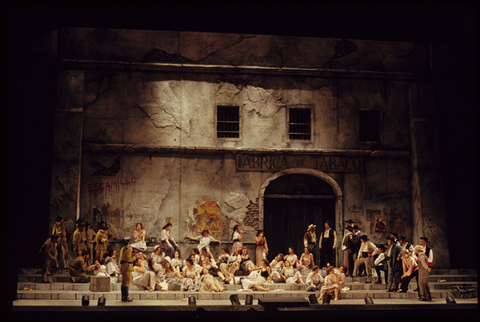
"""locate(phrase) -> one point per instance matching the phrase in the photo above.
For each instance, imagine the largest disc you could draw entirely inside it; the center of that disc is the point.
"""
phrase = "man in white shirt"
(380, 264)
(365, 256)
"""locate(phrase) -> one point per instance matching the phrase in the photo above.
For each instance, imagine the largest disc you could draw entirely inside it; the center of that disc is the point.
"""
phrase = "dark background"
(452, 27)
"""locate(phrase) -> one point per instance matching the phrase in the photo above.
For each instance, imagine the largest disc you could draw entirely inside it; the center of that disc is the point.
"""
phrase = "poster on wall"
(378, 222)
(208, 216)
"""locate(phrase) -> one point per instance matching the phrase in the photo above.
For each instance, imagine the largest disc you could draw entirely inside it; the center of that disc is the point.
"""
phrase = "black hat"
(356, 227)
(87, 223)
(394, 234)
(104, 228)
(350, 221)
(81, 224)
(55, 236)
(364, 237)
(349, 228)
(424, 238)
(403, 238)
(59, 218)
(391, 238)
(85, 252)
(381, 246)
(329, 224)
(80, 220)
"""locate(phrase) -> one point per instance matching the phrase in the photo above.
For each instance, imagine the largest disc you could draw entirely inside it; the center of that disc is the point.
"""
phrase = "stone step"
(178, 295)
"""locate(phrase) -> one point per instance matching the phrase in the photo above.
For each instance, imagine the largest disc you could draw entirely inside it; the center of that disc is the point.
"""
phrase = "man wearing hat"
(350, 223)
(89, 240)
(365, 256)
(309, 241)
(423, 274)
(428, 251)
(380, 264)
(78, 239)
(347, 248)
(79, 268)
(101, 239)
(126, 267)
(394, 264)
(61, 229)
(328, 240)
(47, 253)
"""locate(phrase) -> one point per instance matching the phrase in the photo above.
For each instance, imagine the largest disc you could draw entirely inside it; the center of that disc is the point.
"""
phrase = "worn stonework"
(135, 136)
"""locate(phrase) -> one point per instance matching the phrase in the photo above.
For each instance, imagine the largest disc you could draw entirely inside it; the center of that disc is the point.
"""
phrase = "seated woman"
(232, 265)
(177, 262)
(141, 276)
(263, 270)
(138, 238)
(192, 258)
(111, 264)
(156, 268)
(159, 255)
(331, 284)
(204, 253)
(292, 258)
(204, 240)
(224, 256)
(100, 270)
(191, 277)
(306, 260)
(246, 263)
(212, 267)
(168, 244)
(341, 278)
(171, 276)
(314, 280)
(277, 265)
(290, 275)
(255, 280)
(209, 283)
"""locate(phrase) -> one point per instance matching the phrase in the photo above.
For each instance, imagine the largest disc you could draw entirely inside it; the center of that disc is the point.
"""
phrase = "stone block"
(68, 296)
(205, 296)
(166, 296)
(347, 295)
(81, 287)
(26, 295)
(43, 287)
(43, 296)
(360, 295)
(57, 286)
(357, 287)
(148, 296)
(381, 295)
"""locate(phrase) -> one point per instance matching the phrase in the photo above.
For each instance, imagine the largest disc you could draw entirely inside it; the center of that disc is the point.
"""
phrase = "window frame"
(239, 122)
(299, 107)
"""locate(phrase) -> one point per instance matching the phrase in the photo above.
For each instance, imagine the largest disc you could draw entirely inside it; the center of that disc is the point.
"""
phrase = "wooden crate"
(100, 283)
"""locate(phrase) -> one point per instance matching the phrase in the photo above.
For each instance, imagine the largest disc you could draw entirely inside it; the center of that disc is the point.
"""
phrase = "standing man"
(126, 262)
(78, 239)
(357, 234)
(328, 240)
(348, 249)
(394, 265)
(423, 274)
(365, 256)
(350, 223)
(47, 253)
(101, 239)
(90, 239)
(380, 264)
(61, 229)
(428, 251)
(309, 241)
(405, 245)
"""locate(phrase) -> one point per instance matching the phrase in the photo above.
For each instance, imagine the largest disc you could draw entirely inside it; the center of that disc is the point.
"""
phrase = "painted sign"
(276, 162)
(208, 216)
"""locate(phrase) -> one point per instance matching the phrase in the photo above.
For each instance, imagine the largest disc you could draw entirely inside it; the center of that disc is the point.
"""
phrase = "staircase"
(30, 287)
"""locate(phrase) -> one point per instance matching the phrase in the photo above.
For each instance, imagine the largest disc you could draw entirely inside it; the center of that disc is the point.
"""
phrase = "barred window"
(369, 125)
(299, 123)
(228, 122)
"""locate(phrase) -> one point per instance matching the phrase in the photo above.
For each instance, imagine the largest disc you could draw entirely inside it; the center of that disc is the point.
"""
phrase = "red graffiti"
(110, 186)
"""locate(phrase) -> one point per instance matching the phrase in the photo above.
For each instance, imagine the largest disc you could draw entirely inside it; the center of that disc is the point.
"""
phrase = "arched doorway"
(291, 201)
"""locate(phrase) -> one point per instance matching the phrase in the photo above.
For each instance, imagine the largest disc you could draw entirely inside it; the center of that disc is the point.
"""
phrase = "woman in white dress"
(257, 278)
(169, 245)
(232, 265)
(204, 240)
(177, 262)
(159, 255)
(290, 275)
(172, 277)
(314, 280)
(209, 283)
(306, 260)
(143, 277)
(292, 257)
(224, 256)
(331, 283)
(138, 238)
(191, 278)
(237, 238)
(277, 266)
(111, 264)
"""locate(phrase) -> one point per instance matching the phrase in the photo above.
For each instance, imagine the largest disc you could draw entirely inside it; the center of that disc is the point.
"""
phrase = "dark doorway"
(292, 202)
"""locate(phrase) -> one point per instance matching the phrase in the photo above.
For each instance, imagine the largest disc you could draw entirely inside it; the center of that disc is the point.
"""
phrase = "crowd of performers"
(200, 271)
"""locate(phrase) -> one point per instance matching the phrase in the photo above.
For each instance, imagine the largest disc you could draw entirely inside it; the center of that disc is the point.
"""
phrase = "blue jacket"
(395, 264)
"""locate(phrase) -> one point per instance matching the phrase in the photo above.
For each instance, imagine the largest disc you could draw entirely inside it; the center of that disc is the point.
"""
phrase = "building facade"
(207, 130)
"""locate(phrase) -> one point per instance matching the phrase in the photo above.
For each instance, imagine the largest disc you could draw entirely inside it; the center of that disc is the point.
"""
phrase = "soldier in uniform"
(126, 261)
(79, 268)
(90, 239)
(47, 253)
(78, 240)
(61, 229)
(101, 239)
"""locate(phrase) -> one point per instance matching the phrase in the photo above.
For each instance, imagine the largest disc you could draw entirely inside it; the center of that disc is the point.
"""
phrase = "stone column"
(428, 199)
(67, 151)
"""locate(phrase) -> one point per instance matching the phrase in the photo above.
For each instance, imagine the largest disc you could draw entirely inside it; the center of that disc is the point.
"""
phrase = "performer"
(410, 269)
(347, 248)
(47, 254)
(237, 238)
(310, 240)
(89, 239)
(365, 256)
(169, 245)
(138, 236)
(423, 274)
(380, 264)
(277, 266)
(331, 283)
(428, 251)
(204, 240)
(314, 280)
(328, 240)
(101, 239)
(306, 260)
(261, 251)
(61, 229)
(79, 268)
(126, 262)
(78, 239)
(394, 265)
